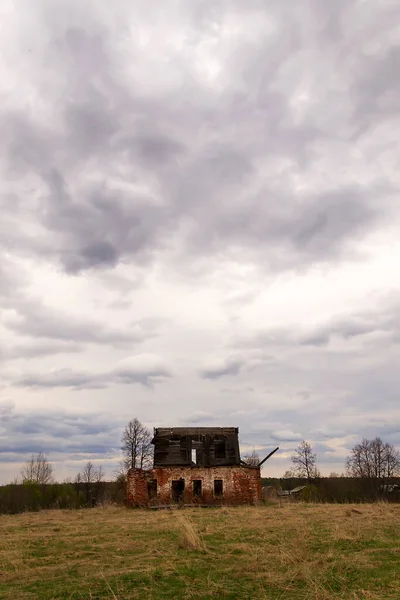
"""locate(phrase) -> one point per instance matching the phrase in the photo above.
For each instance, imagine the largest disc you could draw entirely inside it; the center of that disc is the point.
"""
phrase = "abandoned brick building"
(195, 465)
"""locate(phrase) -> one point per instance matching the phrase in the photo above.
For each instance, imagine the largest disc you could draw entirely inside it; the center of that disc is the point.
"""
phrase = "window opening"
(220, 449)
(218, 487)
(197, 487)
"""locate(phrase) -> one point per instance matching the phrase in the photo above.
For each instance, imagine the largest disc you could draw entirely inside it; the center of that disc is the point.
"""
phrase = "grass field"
(313, 552)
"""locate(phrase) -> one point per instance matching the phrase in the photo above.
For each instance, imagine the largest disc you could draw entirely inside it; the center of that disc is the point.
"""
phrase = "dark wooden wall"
(213, 447)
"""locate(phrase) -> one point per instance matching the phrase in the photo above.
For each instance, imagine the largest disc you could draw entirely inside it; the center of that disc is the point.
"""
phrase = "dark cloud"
(99, 253)
(102, 226)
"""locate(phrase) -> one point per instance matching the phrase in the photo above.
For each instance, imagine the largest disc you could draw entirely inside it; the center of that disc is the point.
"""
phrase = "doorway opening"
(178, 489)
(152, 488)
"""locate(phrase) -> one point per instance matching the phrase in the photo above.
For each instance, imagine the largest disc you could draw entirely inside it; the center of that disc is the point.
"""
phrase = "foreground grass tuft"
(190, 537)
(321, 552)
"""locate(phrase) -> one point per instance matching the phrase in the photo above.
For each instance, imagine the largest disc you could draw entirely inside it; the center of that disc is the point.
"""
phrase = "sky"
(200, 225)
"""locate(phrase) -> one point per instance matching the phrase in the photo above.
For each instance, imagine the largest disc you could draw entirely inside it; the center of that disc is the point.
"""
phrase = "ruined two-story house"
(195, 465)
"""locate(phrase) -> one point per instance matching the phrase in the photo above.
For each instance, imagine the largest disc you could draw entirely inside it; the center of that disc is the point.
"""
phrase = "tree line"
(373, 462)
(369, 459)
(136, 448)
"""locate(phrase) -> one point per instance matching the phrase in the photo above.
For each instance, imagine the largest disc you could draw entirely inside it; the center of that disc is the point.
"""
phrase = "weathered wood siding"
(174, 446)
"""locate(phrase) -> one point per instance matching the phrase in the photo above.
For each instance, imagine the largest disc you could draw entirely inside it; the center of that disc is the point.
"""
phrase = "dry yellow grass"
(310, 552)
(191, 539)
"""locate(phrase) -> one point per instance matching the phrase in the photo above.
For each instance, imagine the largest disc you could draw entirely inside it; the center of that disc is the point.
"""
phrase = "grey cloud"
(158, 150)
(68, 438)
(38, 321)
(58, 433)
(376, 87)
(200, 419)
(114, 223)
(199, 160)
(232, 365)
(317, 228)
(342, 215)
(146, 375)
(6, 410)
(13, 279)
(99, 253)
(37, 349)
(285, 436)
(63, 378)
(384, 319)
(345, 328)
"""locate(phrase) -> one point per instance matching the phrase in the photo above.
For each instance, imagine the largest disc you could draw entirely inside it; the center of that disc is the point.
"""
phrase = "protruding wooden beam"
(268, 456)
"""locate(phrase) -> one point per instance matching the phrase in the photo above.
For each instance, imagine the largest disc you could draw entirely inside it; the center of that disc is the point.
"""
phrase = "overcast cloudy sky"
(200, 224)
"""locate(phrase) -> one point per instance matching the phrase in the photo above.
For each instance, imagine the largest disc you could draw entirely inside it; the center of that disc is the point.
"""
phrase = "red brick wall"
(241, 485)
(136, 487)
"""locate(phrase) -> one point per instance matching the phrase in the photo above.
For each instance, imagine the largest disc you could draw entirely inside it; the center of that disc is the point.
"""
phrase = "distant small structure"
(294, 492)
(290, 495)
(390, 487)
(195, 465)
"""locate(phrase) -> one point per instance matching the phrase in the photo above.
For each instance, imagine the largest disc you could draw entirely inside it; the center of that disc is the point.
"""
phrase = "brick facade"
(240, 485)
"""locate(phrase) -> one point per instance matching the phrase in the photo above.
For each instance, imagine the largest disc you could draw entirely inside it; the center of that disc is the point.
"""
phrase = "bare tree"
(136, 445)
(304, 462)
(100, 474)
(374, 460)
(120, 471)
(289, 474)
(37, 470)
(91, 478)
(89, 473)
(252, 460)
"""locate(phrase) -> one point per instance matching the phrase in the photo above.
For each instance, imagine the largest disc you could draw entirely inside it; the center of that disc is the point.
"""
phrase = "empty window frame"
(220, 449)
(197, 488)
(218, 487)
(197, 452)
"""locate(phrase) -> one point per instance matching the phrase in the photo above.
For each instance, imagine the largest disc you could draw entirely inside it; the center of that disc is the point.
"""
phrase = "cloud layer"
(202, 201)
